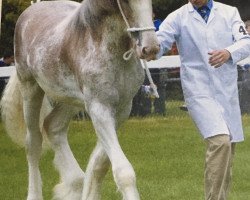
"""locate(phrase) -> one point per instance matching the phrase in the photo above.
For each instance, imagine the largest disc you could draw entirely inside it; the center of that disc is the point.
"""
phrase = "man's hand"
(148, 90)
(218, 57)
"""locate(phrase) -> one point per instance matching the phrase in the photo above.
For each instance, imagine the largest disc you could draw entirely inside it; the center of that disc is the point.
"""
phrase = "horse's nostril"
(144, 50)
(149, 51)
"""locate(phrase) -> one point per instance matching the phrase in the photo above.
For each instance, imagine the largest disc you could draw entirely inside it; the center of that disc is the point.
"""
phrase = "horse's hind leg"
(56, 125)
(96, 170)
(33, 97)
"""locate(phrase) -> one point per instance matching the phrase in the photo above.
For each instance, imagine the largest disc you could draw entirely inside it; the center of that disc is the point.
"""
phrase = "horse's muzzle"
(148, 52)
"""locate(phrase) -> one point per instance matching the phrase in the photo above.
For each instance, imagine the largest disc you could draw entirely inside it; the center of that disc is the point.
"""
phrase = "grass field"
(166, 153)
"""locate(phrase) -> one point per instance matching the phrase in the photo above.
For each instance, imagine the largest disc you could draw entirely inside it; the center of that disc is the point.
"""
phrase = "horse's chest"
(116, 83)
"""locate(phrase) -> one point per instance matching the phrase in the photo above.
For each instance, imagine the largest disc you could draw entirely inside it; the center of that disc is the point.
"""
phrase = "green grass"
(166, 153)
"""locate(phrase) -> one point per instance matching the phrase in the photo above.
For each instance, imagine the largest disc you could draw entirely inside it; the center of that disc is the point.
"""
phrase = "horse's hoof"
(68, 192)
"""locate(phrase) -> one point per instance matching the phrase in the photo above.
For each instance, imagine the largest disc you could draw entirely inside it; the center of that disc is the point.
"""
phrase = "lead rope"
(128, 54)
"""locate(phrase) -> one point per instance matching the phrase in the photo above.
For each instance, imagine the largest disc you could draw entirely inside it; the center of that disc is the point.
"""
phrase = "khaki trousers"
(218, 167)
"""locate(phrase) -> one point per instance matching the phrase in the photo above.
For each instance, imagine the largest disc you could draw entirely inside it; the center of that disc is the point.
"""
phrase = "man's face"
(248, 29)
(198, 3)
(9, 60)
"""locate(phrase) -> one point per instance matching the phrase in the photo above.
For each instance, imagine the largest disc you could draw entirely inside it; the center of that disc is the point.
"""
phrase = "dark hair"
(8, 54)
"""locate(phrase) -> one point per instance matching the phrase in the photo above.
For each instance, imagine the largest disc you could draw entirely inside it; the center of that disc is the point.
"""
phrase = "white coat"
(211, 94)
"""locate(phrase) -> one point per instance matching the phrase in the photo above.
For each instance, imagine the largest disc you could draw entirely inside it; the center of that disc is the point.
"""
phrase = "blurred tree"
(242, 5)
(163, 7)
(13, 8)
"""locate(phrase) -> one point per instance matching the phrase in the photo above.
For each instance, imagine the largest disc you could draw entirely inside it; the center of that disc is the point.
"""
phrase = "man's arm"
(219, 57)
(241, 48)
(167, 33)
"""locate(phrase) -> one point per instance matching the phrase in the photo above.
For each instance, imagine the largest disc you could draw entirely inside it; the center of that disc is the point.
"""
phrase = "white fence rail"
(7, 71)
(164, 62)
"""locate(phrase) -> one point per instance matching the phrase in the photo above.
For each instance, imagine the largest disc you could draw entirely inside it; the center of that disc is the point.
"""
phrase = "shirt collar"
(209, 5)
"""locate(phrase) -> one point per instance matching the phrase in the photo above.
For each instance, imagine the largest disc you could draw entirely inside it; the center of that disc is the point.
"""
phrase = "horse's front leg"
(103, 118)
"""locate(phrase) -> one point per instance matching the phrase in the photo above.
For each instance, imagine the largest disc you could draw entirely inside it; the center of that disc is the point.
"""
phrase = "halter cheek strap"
(133, 29)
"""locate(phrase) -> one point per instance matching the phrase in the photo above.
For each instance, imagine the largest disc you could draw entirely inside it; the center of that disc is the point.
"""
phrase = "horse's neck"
(102, 21)
(95, 10)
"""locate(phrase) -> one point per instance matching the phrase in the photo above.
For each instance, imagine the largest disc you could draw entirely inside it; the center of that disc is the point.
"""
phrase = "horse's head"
(138, 16)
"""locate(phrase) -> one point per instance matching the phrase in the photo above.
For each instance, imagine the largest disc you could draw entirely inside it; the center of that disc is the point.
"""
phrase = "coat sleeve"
(241, 48)
(168, 31)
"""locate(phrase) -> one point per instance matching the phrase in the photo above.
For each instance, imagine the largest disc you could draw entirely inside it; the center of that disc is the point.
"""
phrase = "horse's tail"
(12, 111)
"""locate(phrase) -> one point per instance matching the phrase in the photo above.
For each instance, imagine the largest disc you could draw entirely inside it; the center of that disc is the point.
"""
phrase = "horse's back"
(39, 21)
(48, 11)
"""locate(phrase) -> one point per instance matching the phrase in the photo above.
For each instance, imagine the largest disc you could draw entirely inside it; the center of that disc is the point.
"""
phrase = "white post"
(35, 1)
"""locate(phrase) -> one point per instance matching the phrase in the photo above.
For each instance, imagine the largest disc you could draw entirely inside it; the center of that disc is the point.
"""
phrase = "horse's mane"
(97, 16)
(94, 11)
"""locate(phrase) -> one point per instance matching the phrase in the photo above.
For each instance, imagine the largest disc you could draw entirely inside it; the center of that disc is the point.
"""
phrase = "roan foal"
(71, 55)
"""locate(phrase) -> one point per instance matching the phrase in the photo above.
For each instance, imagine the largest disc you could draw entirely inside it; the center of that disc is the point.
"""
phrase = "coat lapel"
(194, 14)
(212, 13)
(197, 16)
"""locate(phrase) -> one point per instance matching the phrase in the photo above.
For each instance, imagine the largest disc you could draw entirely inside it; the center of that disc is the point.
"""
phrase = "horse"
(70, 56)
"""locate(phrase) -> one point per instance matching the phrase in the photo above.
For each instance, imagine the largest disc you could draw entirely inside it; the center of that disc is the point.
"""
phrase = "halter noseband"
(134, 31)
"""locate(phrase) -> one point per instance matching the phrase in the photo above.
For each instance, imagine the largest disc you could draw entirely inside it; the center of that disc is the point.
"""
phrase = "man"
(7, 60)
(157, 22)
(211, 39)
(247, 23)
(244, 86)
